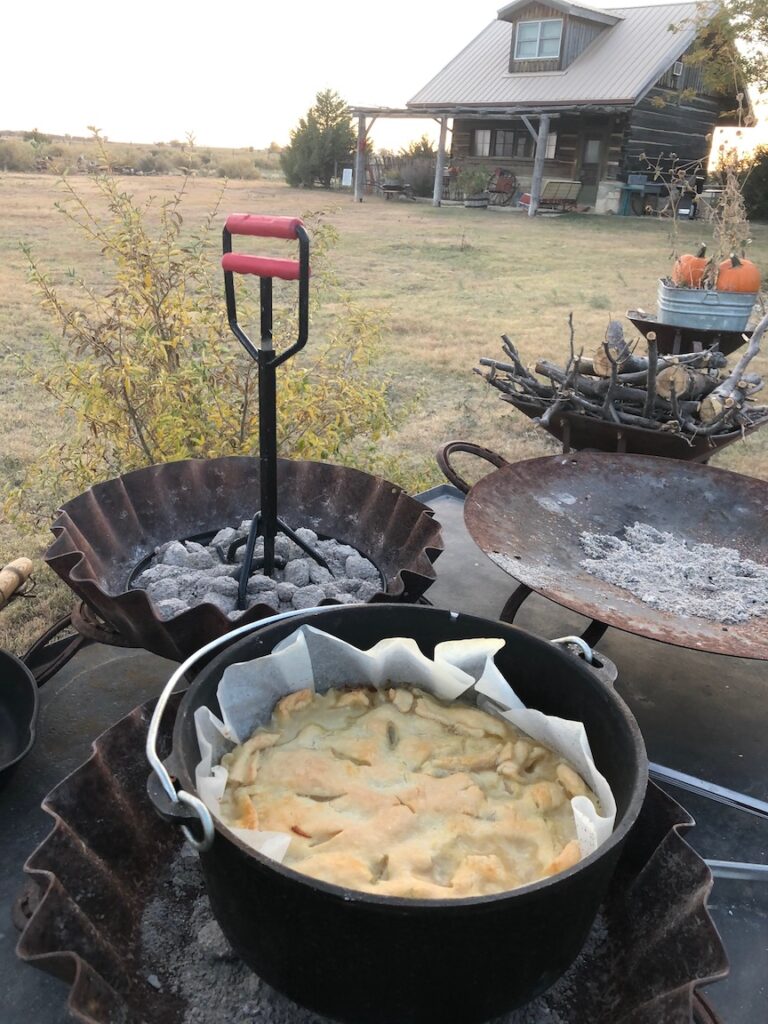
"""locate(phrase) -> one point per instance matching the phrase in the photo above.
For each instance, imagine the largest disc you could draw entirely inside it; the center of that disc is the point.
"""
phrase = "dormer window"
(538, 40)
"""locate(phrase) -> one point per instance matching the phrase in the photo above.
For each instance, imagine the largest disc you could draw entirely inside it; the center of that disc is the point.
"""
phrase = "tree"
(422, 147)
(322, 140)
(748, 21)
(732, 48)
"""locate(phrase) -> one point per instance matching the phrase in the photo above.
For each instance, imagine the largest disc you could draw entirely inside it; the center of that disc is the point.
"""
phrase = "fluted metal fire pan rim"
(103, 533)
(94, 873)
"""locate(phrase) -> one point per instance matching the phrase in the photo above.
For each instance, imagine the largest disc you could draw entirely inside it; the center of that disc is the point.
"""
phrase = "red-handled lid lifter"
(266, 522)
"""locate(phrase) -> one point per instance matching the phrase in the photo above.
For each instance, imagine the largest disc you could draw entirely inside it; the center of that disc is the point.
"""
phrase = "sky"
(232, 73)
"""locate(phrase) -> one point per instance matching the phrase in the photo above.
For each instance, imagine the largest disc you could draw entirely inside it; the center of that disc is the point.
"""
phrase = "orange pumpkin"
(689, 270)
(738, 275)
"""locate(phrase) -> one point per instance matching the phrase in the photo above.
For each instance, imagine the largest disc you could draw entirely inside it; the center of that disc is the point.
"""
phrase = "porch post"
(360, 159)
(538, 164)
(437, 194)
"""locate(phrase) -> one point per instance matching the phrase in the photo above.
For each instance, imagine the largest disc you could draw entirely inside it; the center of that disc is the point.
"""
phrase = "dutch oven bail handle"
(445, 451)
(605, 670)
(177, 806)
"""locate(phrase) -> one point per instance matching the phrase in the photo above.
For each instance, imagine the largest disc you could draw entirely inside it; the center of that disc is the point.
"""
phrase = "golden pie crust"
(396, 793)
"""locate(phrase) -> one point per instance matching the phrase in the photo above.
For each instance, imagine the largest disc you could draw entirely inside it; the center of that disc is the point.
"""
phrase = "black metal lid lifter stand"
(266, 522)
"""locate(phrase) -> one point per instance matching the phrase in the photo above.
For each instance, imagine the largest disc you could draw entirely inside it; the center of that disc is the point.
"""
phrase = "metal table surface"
(702, 714)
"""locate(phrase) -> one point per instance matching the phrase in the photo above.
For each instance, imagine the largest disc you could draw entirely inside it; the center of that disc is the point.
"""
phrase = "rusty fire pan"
(104, 533)
(528, 516)
(108, 855)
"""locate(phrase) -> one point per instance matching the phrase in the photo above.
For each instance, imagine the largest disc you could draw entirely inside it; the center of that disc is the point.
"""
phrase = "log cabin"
(558, 90)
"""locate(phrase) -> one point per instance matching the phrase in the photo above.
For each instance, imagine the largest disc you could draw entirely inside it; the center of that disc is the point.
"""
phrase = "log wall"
(667, 121)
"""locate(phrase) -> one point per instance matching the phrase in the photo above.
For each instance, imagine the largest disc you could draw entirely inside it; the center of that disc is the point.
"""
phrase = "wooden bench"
(556, 194)
(394, 189)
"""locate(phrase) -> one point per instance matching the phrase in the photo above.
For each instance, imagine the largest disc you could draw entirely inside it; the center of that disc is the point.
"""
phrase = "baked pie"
(396, 793)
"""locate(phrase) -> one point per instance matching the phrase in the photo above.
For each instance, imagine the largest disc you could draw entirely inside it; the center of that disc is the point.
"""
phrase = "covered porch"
(536, 123)
(576, 142)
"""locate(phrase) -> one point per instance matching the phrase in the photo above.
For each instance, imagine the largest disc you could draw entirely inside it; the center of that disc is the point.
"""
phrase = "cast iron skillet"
(18, 712)
(359, 957)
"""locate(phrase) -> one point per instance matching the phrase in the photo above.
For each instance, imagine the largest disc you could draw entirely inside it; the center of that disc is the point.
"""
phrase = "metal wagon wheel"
(501, 188)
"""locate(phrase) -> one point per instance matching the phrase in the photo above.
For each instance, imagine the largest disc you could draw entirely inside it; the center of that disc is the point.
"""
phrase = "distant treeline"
(34, 151)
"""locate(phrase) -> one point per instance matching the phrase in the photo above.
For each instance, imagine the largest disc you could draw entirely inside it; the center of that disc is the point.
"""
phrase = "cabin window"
(504, 143)
(523, 144)
(592, 151)
(509, 144)
(537, 40)
(482, 142)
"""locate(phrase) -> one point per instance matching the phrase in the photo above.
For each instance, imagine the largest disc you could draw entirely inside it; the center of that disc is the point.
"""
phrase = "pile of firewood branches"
(692, 394)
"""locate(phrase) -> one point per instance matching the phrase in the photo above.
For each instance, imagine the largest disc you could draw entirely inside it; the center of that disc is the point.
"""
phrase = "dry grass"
(451, 281)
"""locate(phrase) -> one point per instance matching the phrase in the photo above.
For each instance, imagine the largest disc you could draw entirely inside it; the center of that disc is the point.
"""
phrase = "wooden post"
(538, 164)
(360, 159)
(531, 131)
(437, 194)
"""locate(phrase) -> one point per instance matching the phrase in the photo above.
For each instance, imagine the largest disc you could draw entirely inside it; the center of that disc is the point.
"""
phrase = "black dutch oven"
(364, 959)
(18, 713)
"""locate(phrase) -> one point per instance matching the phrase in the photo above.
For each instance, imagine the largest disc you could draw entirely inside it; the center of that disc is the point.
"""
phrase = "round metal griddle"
(530, 515)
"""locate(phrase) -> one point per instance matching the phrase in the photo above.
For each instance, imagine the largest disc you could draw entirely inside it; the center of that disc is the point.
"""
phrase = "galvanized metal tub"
(704, 308)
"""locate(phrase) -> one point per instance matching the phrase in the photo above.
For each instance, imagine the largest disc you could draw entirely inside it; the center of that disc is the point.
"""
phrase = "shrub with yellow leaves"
(149, 370)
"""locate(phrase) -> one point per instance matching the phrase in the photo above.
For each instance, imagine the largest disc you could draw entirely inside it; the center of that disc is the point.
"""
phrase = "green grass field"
(450, 281)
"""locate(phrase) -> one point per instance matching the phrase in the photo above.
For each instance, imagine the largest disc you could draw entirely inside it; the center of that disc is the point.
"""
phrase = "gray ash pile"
(675, 575)
(184, 574)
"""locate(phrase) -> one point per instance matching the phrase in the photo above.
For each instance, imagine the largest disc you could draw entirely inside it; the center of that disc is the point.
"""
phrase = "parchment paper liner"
(310, 659)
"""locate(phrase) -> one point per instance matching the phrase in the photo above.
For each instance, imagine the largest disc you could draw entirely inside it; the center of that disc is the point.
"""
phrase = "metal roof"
(618, 67)
(577, 10)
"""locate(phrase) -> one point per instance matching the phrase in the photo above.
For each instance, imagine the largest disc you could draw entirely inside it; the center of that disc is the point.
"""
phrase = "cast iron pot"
(365, 959)
(18, 713)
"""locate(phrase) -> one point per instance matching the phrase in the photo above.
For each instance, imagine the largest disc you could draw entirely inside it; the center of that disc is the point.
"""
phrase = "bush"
(266, 160)
(16, 155)
(148, 367)
(237, 167)
(472, 180)
(62, 165)
(154, 163)
(419, 173)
